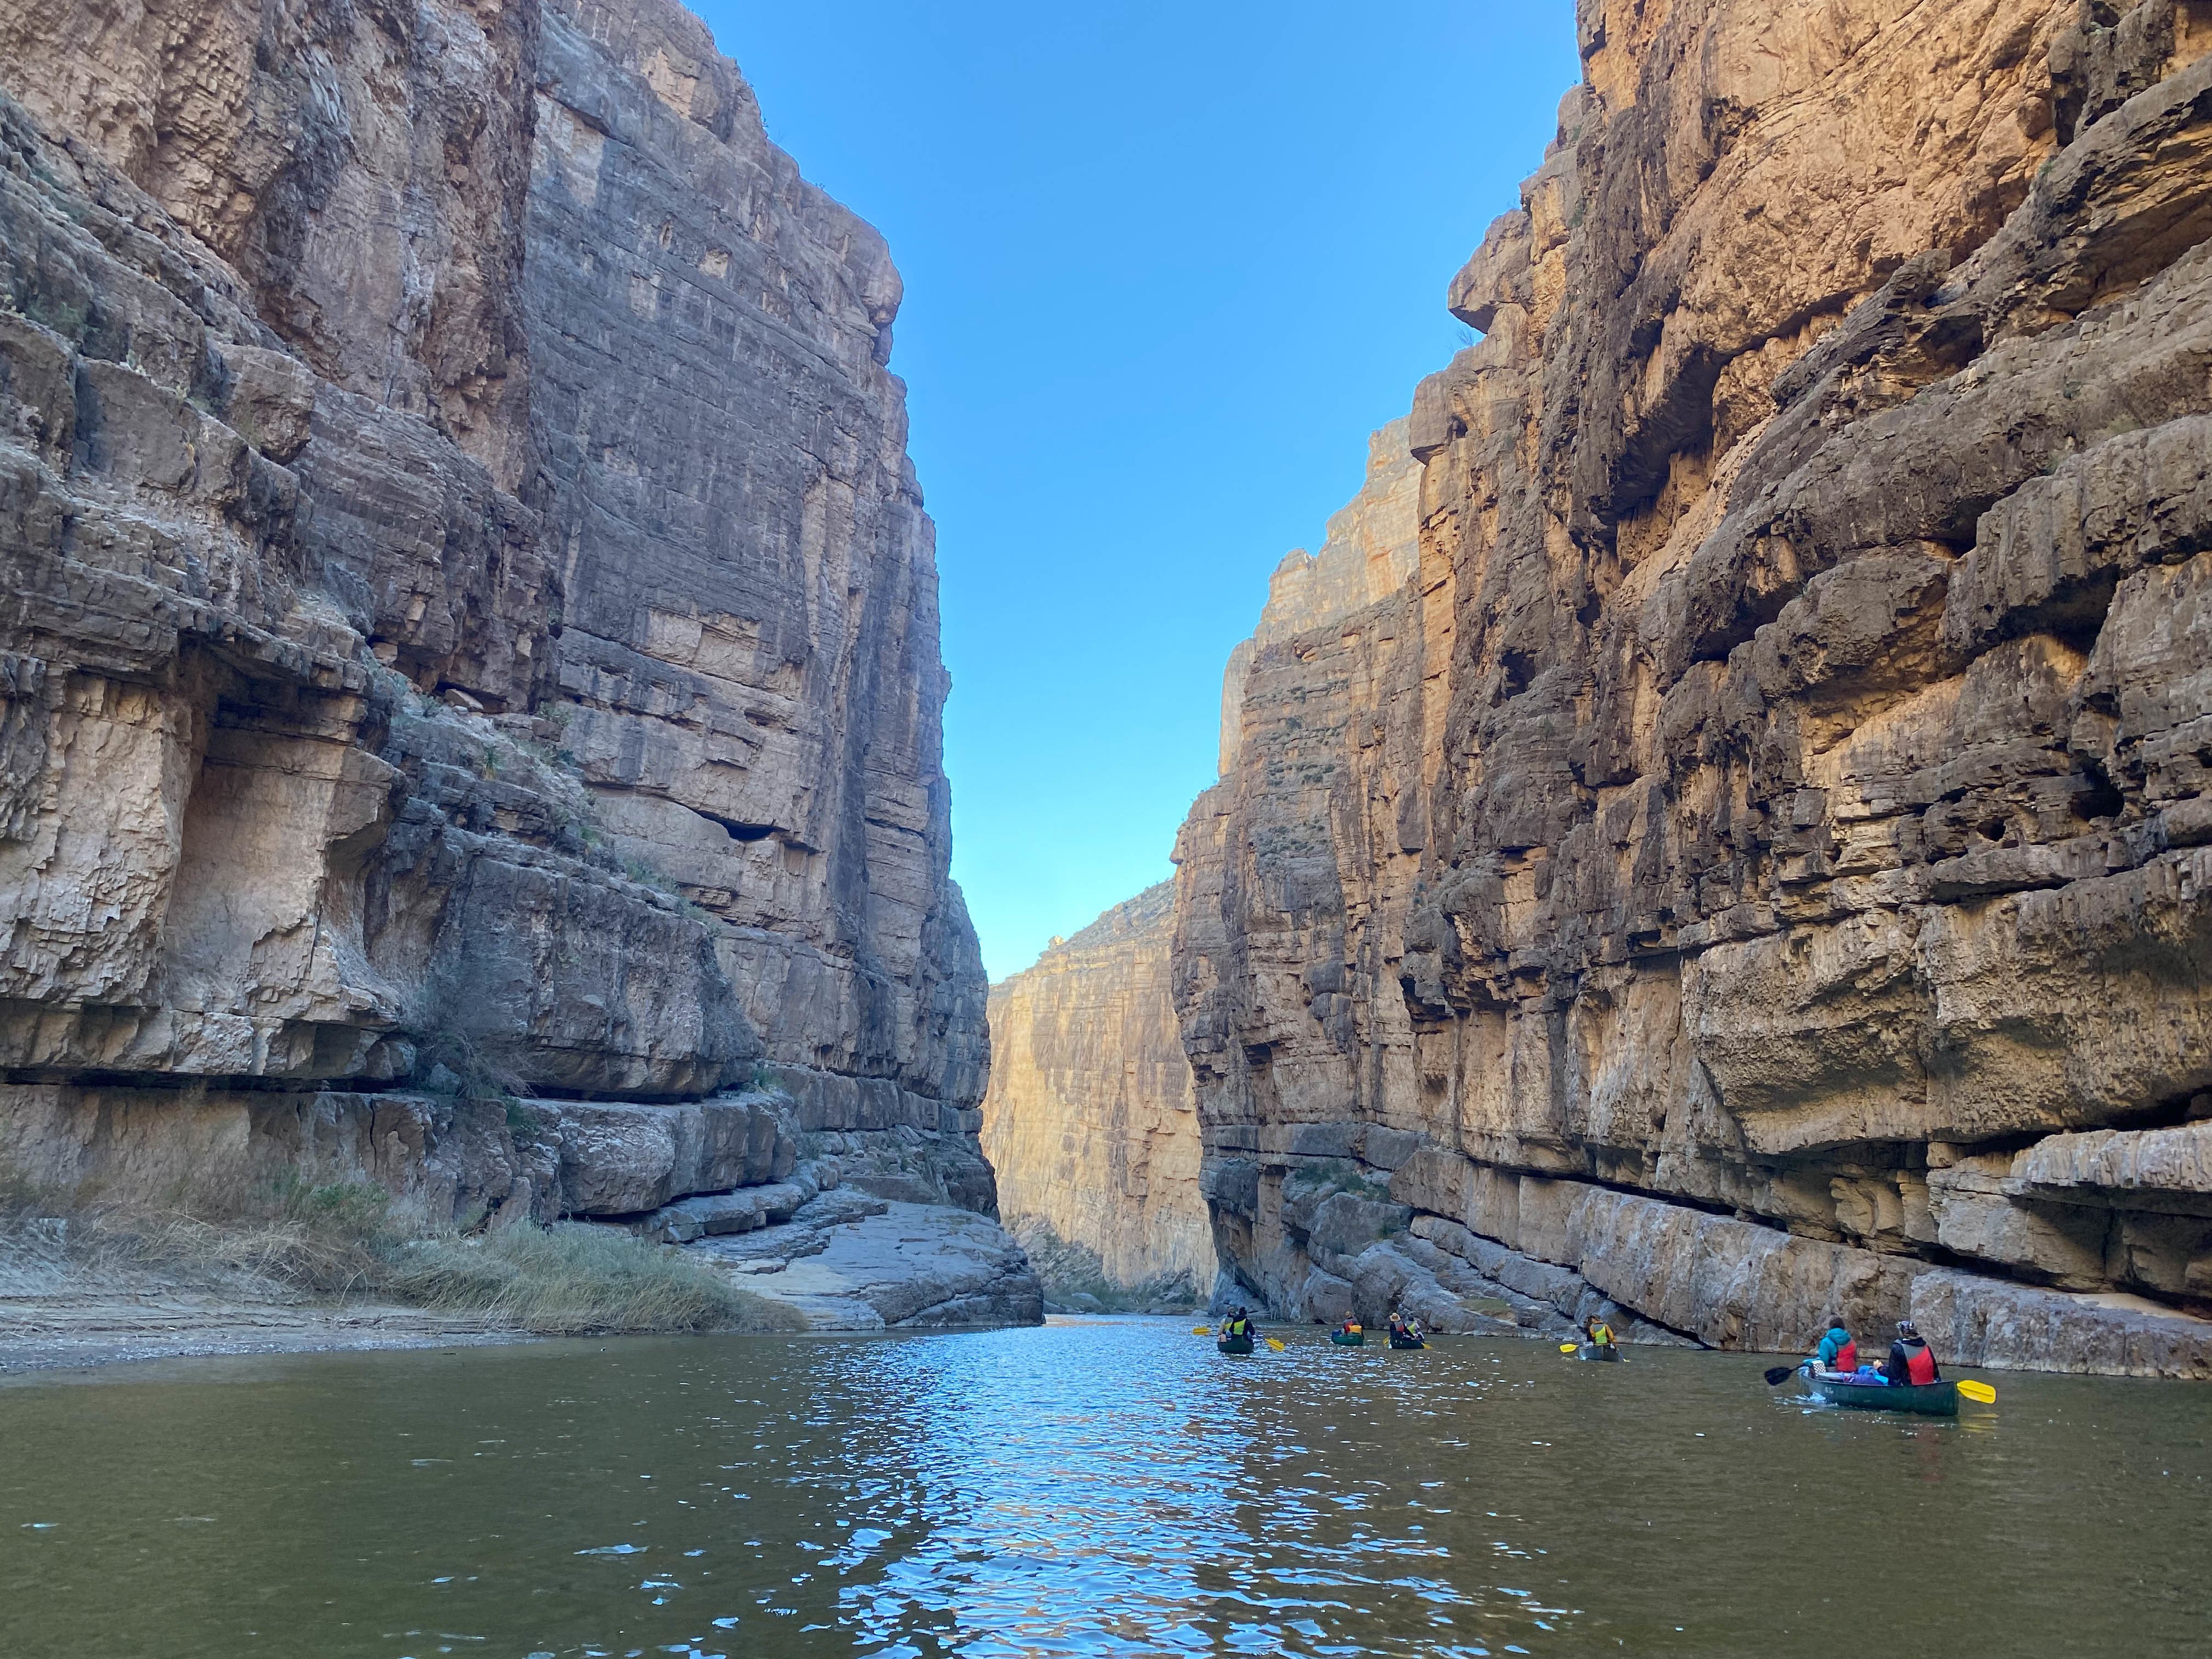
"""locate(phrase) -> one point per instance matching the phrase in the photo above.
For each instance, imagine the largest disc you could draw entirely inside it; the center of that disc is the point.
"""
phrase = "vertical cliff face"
(471, 627)
(1090, 1122)
(749, 665)
(1754, 870)
(1372, 546)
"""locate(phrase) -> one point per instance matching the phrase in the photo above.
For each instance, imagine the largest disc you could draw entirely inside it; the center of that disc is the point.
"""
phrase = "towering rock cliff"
(1372, 546)
(1759, 868)
(471, 635)
(1090, 1123)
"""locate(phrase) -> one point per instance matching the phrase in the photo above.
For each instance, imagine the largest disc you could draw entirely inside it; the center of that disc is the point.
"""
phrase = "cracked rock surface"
(1758, 864)
(470, 686)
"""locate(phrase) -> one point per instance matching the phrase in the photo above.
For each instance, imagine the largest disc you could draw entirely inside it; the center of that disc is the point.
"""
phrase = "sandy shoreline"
(46, 1334)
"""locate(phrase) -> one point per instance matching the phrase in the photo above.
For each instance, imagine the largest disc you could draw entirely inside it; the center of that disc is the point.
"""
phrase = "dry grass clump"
(571, 1280)
(349, 1240)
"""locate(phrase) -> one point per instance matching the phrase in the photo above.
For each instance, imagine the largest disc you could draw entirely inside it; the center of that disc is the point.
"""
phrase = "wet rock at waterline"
(1754, 869)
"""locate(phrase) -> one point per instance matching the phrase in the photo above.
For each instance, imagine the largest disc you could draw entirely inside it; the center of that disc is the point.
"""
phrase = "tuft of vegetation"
(647, 875)
(1338, 1175)
(465, 1047)
(574, 1280)
(348, 1242)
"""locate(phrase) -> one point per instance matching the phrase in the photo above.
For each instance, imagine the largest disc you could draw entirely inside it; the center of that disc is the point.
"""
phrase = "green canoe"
(1600, 1351)
(1235, 1345)
(1928, 1398)
(1348, 1339)
(1408, 1342)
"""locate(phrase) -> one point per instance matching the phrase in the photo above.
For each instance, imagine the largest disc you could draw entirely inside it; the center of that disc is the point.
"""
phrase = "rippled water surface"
(1101, 1487)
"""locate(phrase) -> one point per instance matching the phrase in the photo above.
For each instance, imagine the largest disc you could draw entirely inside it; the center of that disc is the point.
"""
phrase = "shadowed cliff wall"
(471, 627)
(1755, 869)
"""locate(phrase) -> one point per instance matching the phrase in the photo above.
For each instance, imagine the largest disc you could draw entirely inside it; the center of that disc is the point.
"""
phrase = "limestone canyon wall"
(470, 630)
(1091, 1121)
(1757, 867)
(1372, 545)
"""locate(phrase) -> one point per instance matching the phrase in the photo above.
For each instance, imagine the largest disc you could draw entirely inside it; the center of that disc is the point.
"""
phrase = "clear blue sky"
(1166, 266)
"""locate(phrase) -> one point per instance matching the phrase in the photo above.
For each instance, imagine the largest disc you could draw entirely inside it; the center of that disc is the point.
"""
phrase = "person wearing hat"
(1909, 1360)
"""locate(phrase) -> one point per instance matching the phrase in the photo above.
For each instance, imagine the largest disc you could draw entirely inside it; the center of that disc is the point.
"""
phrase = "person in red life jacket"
(1838, 1351)
(1909, 1360)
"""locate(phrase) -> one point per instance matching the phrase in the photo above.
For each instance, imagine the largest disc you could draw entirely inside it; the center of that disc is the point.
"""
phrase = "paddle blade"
(1276, 1346)
(1774, 1376)
(1980, 1393)
(1569, 1347)
(1201, 1330)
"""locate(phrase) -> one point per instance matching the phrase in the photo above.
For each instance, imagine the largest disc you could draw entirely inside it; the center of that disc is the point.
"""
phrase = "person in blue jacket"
(1838, 1352)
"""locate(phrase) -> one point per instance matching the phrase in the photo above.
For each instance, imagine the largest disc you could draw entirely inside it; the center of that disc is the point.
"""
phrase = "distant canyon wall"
(1757, 867)
(471, 627)
(1090, 1118)
(1091, 1121)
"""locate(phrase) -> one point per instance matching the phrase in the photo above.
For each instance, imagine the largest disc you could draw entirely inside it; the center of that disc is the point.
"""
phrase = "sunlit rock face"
(1372, 546)
(1090, 1122)
(1757, 868)
(471, 627)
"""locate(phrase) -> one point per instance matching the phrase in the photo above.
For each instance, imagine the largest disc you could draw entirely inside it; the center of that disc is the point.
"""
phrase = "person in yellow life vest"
(1598, 1333)
(1237, 1324)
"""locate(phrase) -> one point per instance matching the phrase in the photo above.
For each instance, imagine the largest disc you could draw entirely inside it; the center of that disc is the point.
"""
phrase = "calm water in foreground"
(1109, 1487)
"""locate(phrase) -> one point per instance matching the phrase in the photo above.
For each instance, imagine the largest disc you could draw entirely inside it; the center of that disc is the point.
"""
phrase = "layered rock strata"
(1091, 1121)
(469, 679)
(1759, 865)
(1372, 545)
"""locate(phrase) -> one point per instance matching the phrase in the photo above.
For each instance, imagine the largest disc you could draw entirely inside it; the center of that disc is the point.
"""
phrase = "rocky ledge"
(848, 1262)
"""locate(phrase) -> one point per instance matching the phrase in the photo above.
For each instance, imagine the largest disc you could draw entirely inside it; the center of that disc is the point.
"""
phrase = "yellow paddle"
(1569, 1347)
(1201, 1330)
(1980, 1393)
(1276, 1346)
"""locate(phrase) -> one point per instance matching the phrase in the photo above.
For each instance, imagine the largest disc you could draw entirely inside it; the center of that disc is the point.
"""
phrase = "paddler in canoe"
(1235, 1332)
(1911, 1362)
(1350, 1334)
(1908, 1381)
(1597, 1339)
(1837, 1351)
(1406, 1333)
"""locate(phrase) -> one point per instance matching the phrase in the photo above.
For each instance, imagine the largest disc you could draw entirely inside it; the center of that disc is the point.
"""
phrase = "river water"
(1091, 1487)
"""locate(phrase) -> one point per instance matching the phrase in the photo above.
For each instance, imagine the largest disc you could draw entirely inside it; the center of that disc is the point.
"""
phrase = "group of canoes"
(1404, 1332)
(1237, 1334)
(1909, 1379)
